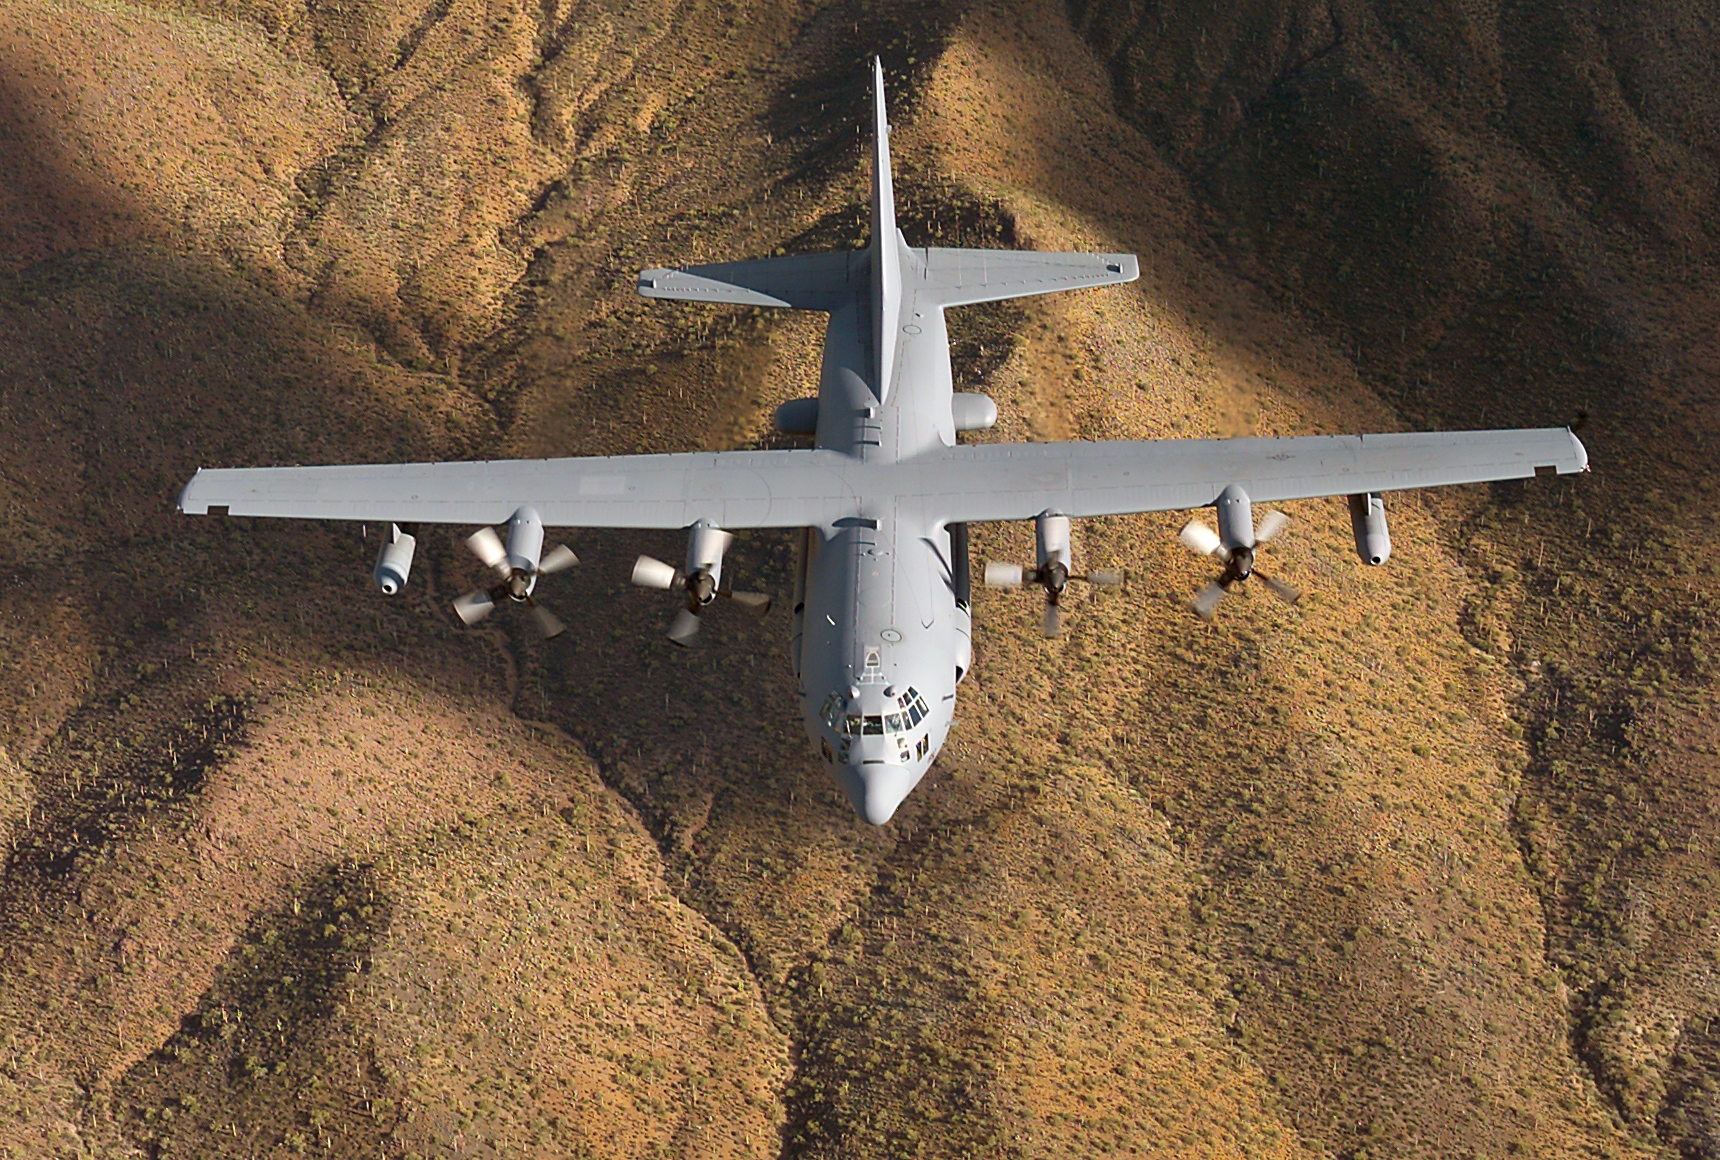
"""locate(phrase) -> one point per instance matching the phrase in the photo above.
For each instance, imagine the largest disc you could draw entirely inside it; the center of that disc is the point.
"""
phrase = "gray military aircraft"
(881, 504)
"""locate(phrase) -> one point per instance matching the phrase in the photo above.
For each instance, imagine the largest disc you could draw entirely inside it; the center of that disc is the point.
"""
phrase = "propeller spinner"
(699, 582)
(518, 563)
(1234, 545)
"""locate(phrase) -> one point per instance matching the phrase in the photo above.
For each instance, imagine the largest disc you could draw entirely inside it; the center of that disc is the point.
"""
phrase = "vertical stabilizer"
(886, 257)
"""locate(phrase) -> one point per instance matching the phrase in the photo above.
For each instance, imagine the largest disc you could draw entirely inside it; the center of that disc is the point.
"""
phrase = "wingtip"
(186, 505)
(1582, 452)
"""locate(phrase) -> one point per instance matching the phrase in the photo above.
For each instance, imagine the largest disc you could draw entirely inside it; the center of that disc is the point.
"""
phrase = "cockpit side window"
(893, 723)
(851, 725)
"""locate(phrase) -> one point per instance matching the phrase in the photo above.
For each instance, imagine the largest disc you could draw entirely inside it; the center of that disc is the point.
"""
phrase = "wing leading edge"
(967, 484)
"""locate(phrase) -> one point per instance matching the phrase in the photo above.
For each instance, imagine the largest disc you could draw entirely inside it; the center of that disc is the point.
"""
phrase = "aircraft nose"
(876, 790)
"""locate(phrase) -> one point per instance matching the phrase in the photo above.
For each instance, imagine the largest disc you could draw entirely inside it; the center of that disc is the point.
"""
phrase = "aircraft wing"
(963, 277)
(782, 489)
(733, 489)
(1013, 481)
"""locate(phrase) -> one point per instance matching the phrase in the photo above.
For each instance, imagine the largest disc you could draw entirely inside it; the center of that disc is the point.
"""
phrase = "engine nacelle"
(1051, 533)
(394, 562)
(706, 544)
(972, 411)
(798, 417)
(1368, 521)
(525, 540)
(1235, 518)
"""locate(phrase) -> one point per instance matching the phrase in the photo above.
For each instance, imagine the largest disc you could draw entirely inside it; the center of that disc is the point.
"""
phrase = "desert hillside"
(1422, 866)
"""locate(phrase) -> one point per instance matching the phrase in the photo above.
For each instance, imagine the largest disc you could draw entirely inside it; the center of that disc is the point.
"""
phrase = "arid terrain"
(1423, 866)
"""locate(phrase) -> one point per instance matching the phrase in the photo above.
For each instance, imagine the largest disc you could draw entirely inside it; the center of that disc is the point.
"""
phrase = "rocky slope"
(1420, 867)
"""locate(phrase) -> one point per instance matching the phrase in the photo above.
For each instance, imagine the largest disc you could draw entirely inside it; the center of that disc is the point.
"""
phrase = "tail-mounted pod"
(394, 562)
(972, 411)
(798, 417)
(1368, 521)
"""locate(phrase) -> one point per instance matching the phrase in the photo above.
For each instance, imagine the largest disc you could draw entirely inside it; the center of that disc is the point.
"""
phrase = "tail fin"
(886, 259)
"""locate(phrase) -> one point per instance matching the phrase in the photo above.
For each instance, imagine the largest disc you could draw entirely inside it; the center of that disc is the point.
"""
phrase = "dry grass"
(1422, 866)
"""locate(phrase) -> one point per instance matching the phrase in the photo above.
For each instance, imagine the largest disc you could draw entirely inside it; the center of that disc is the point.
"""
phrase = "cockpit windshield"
(911, 710)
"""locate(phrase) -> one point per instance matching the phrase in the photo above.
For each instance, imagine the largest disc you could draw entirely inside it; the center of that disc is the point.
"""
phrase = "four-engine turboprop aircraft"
(882, 503)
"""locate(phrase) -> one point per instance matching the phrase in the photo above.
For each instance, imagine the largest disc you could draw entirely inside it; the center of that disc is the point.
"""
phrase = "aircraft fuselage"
(881, 637)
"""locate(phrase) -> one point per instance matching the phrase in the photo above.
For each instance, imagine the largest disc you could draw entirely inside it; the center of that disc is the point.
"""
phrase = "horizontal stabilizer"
(799, 281)
(963, 277)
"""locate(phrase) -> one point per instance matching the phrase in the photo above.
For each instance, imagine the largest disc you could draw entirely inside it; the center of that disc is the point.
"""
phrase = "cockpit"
(910, 706)
(907, 712)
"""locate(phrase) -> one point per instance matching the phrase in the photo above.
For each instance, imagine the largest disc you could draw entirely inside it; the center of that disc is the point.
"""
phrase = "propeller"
(519, 563)
(1235, 549)
(699, 582)
(1052, 573)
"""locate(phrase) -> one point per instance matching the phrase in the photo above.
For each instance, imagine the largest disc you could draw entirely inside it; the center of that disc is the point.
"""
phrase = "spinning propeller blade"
(474, 606)
(557, 559)
(517, 582)
(487, 546)
(1200, 539)
(548, 622)
(754, 602)
(1238, 559)
(1271, 524)
(699, 587)
(684, 627)
(1206, 601)
(1285, 592)
(652, 573)
(1052, 578)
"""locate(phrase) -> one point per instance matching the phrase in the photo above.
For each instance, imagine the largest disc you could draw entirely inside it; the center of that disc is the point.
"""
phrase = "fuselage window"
(918, 702)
